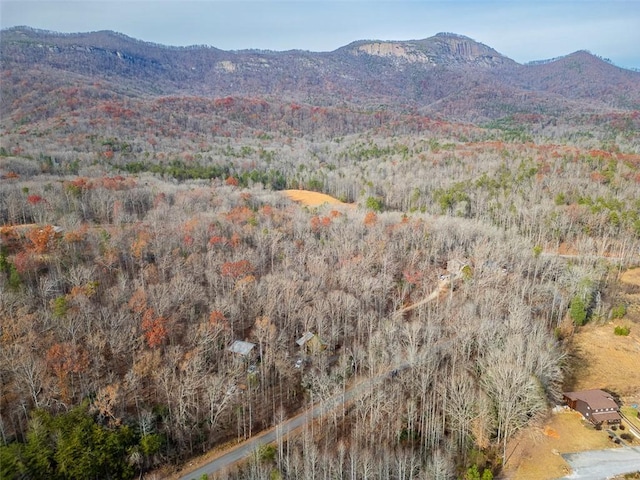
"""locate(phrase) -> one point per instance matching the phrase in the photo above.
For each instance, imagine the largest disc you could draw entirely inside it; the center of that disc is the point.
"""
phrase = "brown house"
(597, 406)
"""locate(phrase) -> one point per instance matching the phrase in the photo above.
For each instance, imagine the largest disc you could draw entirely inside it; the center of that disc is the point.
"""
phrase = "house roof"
(606, 416)
(241, 347)
(596, 399)
(305, 338)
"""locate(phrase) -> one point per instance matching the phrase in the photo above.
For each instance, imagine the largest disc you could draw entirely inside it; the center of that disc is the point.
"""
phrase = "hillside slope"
(447, 75)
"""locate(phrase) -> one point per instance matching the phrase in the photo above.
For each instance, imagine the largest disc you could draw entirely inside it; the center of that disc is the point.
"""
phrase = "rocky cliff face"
(404, 51)
(458, 48)
(442, 49)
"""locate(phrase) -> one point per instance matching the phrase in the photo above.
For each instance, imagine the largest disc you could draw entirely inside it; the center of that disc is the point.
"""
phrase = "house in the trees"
(455, 266)
(311, 343)
(241, 347)
(597, 406)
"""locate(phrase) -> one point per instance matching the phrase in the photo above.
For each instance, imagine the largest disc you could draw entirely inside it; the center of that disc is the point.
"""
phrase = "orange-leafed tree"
(237, 269)
(41, 238)
(370, 219)
(154, 328)
(64, 359)
(217, 319)
(138, 301)
(34, 199)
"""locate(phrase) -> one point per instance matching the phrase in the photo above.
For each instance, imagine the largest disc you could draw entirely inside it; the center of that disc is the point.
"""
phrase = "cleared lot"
(601, 359)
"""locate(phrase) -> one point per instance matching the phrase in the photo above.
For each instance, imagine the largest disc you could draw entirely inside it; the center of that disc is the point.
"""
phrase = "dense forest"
(142, 235)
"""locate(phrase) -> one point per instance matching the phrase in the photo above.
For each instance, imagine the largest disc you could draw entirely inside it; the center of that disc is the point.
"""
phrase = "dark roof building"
(597, 406)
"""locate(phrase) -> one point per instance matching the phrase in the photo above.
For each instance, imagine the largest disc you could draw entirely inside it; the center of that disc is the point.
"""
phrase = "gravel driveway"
(602, 464)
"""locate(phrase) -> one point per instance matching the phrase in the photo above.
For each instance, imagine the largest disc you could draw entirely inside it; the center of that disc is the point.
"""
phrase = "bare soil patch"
(312, 199)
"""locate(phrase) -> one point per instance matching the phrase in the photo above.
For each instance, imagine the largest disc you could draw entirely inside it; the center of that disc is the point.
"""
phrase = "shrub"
(626, 436)
(578, 311)
(374, 204)
(267, 453)
(622, 331)
(59, 306)
(618, 311)
(467, 273)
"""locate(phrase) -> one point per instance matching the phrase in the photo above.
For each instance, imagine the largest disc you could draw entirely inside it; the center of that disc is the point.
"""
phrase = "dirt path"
(443, 286)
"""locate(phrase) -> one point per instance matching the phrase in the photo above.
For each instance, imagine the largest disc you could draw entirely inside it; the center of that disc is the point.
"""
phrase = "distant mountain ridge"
(441, 49)
(447, 75)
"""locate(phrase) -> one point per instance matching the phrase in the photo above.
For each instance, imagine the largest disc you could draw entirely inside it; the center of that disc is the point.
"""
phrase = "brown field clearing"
(600, 359)
(312, 199)
(631, 276)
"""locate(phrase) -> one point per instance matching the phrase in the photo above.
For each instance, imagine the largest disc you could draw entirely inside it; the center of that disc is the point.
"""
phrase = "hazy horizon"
(522, 30)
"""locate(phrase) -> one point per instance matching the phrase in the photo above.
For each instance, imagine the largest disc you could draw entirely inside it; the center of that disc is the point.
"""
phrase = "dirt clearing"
(312, 199)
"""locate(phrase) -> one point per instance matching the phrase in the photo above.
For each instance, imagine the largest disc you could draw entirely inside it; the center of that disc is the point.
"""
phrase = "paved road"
(245, 449)
(602, 464)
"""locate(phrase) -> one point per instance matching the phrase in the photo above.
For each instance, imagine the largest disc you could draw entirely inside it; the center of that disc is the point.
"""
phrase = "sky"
(524, 30)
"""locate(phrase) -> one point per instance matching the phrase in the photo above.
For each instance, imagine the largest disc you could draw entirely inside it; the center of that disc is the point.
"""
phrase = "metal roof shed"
(241, 347)
(305, 338)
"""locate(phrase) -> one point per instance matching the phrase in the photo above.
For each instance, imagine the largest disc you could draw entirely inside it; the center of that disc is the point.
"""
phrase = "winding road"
(589, 465)
(245, 449)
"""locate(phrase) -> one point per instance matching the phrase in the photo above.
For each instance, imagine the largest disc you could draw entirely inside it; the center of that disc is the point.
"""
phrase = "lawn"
(536, 451)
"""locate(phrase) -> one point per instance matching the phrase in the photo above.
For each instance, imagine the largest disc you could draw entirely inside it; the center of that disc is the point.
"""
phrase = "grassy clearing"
(631, 276)
(606, 360)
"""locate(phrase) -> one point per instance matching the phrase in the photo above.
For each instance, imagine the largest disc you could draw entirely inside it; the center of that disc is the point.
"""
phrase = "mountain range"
(446, 76)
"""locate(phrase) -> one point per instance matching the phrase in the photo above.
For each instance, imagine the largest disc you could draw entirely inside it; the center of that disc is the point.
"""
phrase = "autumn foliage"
(41, 238)
(370, 219)
(237, 269)
(176, 241)
(153, 328)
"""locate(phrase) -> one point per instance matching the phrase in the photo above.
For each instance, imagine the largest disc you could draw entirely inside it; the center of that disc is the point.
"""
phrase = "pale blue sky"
(522, 30)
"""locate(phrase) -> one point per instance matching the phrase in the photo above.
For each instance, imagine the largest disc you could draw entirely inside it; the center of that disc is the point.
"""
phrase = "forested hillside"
(142, 234)
(448, 76)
